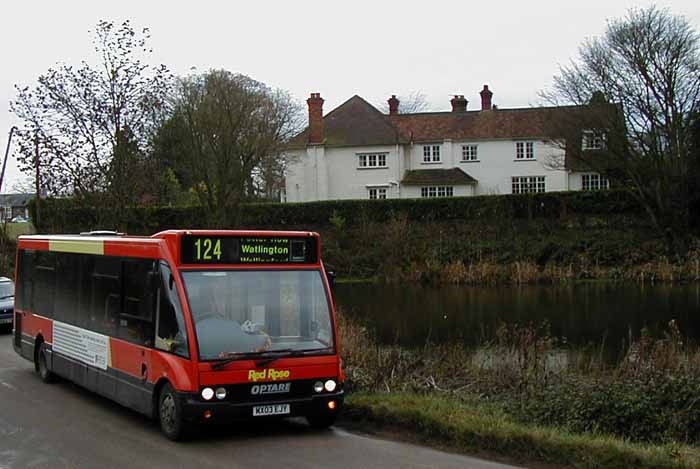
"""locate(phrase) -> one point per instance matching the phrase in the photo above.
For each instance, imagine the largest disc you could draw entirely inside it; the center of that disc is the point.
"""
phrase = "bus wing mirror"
(153, 278)
(330, 275)
(177, 343)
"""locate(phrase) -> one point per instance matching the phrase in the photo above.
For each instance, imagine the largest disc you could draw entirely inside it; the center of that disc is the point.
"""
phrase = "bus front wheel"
(170, 414)
(42, 365)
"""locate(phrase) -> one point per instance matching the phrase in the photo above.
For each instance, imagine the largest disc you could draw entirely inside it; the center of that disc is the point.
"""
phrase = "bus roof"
(117, 244)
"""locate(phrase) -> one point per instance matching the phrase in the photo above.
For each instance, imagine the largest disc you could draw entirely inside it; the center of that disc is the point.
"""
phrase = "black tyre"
(42, 366)
(170, 414)
(321, 420)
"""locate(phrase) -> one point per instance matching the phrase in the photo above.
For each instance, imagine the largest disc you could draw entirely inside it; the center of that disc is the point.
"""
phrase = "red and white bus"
(184, 326)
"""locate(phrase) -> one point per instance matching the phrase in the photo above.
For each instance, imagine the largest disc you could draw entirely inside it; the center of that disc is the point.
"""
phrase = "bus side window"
(67, 285)
(136, 321)
(25, 280)
(44, 283)
(171, 334)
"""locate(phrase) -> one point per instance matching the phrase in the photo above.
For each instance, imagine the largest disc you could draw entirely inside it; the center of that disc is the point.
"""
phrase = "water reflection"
(585, 314)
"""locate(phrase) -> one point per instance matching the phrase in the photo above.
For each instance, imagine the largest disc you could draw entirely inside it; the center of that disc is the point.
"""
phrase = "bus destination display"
(242, 250)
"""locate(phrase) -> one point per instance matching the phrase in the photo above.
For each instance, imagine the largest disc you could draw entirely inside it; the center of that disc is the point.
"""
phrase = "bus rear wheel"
(42, 367)
(170, 414)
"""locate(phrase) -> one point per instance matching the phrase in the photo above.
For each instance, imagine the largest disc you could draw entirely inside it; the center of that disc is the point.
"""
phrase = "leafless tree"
(227, 136)
(639, 88)
(93, 124)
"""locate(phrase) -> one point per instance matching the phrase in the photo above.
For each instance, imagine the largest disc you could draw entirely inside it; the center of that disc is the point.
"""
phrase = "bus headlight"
(207, 394)
(330, 385)
(318, 386)
(221, 393)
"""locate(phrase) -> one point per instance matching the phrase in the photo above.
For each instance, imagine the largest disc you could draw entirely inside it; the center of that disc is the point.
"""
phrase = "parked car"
(7, 301)
(20, 219)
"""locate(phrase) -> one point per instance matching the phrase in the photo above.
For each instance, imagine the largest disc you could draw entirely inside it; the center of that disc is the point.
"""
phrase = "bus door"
(136, 326)
(171, 333)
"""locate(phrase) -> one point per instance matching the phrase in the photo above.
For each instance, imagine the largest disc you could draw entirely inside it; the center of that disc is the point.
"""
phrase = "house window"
(437, 191)
(524, 150)
(377, 193)
(431, 153)
(528, 184)
(371, 160)
(591, 140)
(469, 153)
(594, 182)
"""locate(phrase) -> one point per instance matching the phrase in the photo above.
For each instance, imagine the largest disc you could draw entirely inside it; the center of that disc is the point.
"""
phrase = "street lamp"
(7, 153)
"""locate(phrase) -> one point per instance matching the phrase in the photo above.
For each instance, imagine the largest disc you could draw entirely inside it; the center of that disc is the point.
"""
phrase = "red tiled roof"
(475, 125)
(357, 123)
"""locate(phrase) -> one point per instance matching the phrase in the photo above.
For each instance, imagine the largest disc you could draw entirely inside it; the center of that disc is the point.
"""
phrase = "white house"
(357, 152)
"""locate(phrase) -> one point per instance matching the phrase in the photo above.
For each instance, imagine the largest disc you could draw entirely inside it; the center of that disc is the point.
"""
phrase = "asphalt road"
(64, 426)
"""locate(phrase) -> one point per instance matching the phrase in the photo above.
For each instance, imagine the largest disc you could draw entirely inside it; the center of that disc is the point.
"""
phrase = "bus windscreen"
(239, 312)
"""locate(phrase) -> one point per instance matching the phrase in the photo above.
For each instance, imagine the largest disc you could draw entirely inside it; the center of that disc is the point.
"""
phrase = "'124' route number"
(205, 251)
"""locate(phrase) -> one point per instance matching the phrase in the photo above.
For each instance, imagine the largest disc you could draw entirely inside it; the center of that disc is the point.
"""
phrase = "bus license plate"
(6, 321)
(276, 409)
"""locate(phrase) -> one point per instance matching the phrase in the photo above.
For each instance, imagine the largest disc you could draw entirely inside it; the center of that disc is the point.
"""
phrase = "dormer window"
(431, 153)
(592, 140)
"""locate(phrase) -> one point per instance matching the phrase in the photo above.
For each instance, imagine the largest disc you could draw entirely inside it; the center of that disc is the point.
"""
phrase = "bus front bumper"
(196, 410)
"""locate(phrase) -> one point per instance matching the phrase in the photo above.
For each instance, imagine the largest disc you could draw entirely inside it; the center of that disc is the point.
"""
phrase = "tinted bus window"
(25, 270)
(44, 283)
(67, 287)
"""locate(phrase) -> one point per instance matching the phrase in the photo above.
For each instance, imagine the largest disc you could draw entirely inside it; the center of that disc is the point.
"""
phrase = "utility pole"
(7, 153)
(38, 185)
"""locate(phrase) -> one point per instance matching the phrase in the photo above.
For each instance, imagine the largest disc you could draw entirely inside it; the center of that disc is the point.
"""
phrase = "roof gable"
(354, 123)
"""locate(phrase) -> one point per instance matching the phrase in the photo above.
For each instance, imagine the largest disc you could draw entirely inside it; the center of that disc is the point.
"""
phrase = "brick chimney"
(459, 104)
(486, 98)
(393, 105)
(315, 103)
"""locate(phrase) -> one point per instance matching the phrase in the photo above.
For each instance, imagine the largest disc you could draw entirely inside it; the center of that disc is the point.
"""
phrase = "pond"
(586, 314)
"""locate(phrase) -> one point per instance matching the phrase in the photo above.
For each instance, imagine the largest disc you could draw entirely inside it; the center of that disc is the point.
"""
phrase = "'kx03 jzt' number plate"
(275, 409)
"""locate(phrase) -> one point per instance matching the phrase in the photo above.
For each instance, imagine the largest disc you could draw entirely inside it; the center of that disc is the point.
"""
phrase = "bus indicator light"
(331, 405)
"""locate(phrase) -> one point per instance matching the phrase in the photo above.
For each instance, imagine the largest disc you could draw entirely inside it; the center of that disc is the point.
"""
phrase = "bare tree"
(93, 124)
(226, 138)
(638, 87)
(411, 103)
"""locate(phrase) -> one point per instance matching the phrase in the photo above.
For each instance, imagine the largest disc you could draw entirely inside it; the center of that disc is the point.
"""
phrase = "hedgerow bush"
(659, 409)
(65, 215)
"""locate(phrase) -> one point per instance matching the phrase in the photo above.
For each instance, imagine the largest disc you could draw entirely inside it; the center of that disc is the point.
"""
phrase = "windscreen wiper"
(262, 358)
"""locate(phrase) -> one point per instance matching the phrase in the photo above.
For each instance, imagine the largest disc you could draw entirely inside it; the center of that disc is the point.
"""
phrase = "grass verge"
(482, 428)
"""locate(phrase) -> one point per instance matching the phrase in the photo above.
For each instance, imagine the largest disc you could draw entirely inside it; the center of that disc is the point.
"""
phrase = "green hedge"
(64, 215)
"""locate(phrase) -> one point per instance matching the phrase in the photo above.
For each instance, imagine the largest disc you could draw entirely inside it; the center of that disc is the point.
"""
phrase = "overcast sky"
(370, 48)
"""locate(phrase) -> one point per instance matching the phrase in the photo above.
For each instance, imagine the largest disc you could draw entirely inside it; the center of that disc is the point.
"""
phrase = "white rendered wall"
(335, 172)
(496, 164)
(319, 173)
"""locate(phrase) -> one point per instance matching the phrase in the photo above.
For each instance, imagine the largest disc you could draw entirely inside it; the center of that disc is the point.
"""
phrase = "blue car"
(7, 301)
